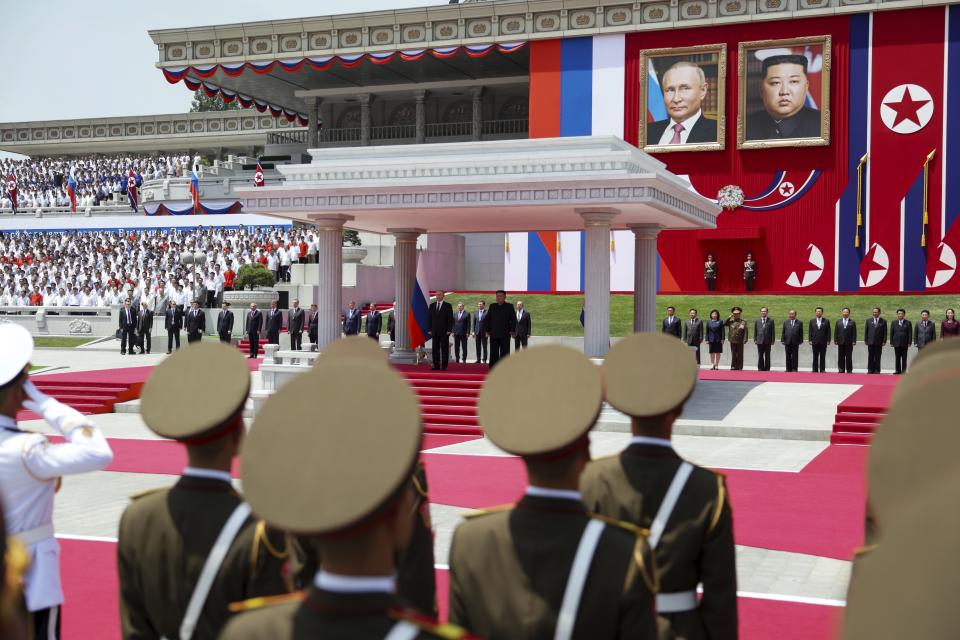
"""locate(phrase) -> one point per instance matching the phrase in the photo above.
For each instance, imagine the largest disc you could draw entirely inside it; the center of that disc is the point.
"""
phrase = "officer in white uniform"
(30, 470)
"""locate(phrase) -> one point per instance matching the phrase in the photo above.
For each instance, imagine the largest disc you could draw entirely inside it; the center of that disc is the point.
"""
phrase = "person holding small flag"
(258, 176)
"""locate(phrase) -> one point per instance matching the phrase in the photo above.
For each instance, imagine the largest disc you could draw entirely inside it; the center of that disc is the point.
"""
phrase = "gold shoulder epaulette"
(612, 455)
(446, 630)
(485, 512)
(261, 537)
(266, 601)
(418, 487)
(865, 549)
(623, 524)
(148, 492)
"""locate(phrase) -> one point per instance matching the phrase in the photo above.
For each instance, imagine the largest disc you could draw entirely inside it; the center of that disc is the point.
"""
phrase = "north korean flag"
(258, 176)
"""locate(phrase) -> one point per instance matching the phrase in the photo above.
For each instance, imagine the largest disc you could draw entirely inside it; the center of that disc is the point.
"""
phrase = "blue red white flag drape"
(12, 190)
(186, 208)
(72, 191)
(195, 186)
(133, 184)
(418, 319)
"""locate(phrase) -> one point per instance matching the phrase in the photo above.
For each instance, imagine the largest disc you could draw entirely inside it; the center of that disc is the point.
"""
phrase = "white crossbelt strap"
(403, 630)
(676, 602)
(577, 579)
(669, 502)
(33, 536)
(211, 568)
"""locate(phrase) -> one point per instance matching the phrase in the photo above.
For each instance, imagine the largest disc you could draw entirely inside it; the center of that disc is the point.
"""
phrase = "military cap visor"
(194, 393)
(314, 464)
(540, 400)
(649, 374)
(16, 349)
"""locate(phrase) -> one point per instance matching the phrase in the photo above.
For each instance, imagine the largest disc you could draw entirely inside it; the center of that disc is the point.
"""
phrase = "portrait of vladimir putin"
(684, 89)
(783, 89)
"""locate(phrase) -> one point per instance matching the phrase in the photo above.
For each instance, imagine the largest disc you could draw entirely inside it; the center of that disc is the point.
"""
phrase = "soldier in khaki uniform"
(905, 585)
(737, 334)
(186, 552)
(649, 377)
(315, 467)
(545, 567)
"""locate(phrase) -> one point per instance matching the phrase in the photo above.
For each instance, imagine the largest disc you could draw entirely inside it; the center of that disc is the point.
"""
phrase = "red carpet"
(89, 573)
(474, 481)
(798, 376)
(859, 415)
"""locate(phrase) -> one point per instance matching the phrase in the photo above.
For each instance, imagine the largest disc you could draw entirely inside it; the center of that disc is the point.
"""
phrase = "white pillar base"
(596, 281)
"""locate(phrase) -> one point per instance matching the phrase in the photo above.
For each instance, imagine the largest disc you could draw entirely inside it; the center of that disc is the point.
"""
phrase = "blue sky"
(69, 59)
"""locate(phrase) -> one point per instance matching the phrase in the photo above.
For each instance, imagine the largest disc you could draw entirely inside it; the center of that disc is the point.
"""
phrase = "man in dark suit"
(671, 324)
(145, 327)
(874, 335)
(693, 333)
(374, 323)
(225, 323)
(274, 324)
(351, 320)
(128, 327)
(684, 88)
(763, 332)
(440, 325)
(925, 333)
(253, 328)
(461, 329)
(524, 327)
(901, 335)
(196, 323)
(791, 335)
(392, 323)
(173, 323)
(502, 327)
(295, 320)
(783, 89)
(845, 337)
(819, 332)
(313, 324)
(480, 328)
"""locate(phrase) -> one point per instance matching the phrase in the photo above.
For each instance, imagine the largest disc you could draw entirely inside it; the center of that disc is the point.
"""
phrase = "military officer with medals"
(186, 552)
(684, 507)
(546, 567)
(30, 473)
(316, 468)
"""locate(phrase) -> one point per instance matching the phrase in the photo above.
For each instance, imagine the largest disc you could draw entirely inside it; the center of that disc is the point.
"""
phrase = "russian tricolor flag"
(72, 191)
(418, 320)
(195, 186)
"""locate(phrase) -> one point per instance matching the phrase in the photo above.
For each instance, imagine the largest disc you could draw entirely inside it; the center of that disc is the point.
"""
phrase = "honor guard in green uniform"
(649, 377)
(546, 567)
(315, 466)
(905, 585)
(185, 553)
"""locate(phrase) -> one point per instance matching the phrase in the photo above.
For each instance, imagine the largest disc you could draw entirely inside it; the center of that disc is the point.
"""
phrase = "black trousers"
(296, 340)
(749, 282)
(284, 274)
(173, 336)
(128, 340)
(313, 336)
(194, 337)
(273, 337)
(711, 284)
(873, 357)
(44, 624)
(254, 339)
(460, 342)
(793, 356)
(696, 351)
(481, 346)
(845, 358)
(499, 348)
(900, 359)
(211, 299)
(819, 357)
(145, 341)
(736, 356)
(763, 357)
(520, 342)
(224, 337)
(440, 345)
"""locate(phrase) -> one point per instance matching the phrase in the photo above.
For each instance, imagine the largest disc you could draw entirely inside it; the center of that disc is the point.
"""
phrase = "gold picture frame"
(710, 128)
(757, 127)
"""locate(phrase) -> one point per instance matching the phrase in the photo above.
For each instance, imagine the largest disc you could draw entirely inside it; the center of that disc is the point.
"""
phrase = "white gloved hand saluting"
(58, 415)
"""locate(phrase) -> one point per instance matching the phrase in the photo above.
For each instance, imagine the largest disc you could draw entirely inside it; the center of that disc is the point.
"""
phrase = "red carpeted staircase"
(86, 396)
(859, 416)
(448, 399)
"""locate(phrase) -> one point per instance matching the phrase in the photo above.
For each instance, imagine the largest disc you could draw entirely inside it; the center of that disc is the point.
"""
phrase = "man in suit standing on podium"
(254, 325)
(145, 327)
(763, 332)
(901, 335)
(524, 327)
(874, 335)
(274, 324)
(503, 326)
(791, 335)
(351, 320)
(441, 326)
(845, 337)
(313, 325)
(461, 329)
(173, 323)
(480, 328)
(819, 332)
(374, 323)
(295, 320)
(196, 323)
(925, 333)
(671, 324)
(225, 323)
(693, 333)
(128, 328)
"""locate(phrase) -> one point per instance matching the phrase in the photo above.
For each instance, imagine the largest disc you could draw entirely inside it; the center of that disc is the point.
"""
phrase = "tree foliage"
(203, 102)
(351, 238)
(253, 275)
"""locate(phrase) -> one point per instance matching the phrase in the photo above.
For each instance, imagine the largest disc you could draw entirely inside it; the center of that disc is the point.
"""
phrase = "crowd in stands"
(105, 268)
(42, 182)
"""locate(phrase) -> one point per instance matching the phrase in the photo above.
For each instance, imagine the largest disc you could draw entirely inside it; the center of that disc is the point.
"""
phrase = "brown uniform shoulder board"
(865, 550)
(721, 499)
(266, 601)
(146, 493)
(485, 512)
(260, 537)
(446, 630)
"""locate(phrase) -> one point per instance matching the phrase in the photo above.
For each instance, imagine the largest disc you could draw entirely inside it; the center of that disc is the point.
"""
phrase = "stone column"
(596, 280)
(421, 121)
(364, 119)
(645, 277)
(329, 230)
(313, 122)
(477, 115)
(405, 273)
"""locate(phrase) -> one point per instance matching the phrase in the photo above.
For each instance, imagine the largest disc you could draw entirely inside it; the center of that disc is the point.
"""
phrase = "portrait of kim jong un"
(682, 98)
(784, 93)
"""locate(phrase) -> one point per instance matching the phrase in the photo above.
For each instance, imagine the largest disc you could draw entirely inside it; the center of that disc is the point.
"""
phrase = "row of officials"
(332, 537)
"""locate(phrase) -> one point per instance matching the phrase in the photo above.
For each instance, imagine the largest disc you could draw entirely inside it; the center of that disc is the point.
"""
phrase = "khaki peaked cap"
(649, 374)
